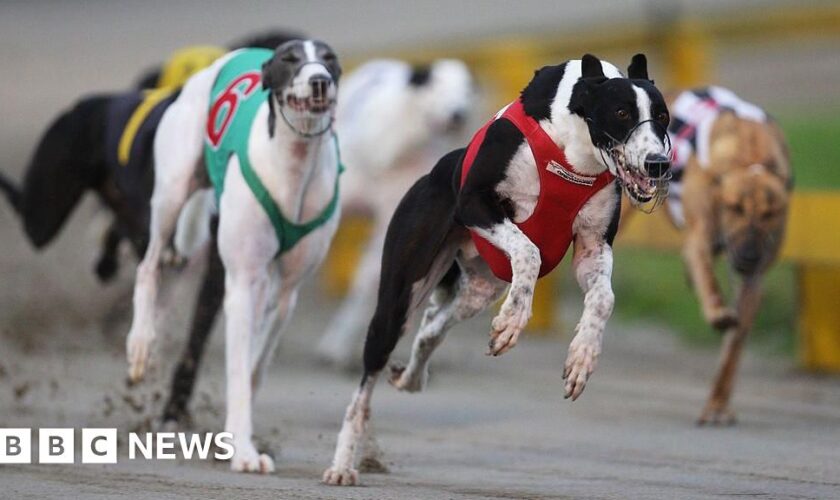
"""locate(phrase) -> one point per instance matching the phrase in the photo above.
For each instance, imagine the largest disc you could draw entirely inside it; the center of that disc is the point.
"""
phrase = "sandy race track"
(485, 428)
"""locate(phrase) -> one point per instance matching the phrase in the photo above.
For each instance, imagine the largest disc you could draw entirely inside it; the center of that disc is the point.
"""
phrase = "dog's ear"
(590, 67)
(266, 74)
(272, 118)
(638, 68)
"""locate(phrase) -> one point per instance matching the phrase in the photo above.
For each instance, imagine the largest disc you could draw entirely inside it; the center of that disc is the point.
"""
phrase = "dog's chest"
(521, 184)
(299, 174)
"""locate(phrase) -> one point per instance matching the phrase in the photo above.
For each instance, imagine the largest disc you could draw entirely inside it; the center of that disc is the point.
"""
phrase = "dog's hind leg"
(178, 151)
(342, 472)
(717, 409)
(205, 312)
(108, 262)
(419, 249)
(467, 289)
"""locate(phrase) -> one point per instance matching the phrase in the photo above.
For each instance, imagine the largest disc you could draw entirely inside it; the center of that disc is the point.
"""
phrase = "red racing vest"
(562, 193)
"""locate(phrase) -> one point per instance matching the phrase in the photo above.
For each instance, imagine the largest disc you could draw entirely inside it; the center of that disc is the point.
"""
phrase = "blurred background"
(783, 55)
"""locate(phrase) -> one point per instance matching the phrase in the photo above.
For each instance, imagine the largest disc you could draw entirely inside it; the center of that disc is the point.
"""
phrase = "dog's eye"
(767, 215)
(290, 58)
(663, 118)
(329, 57)
(622, 114)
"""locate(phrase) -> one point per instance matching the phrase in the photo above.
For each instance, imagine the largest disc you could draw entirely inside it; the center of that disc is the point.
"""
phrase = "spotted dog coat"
(581, 105)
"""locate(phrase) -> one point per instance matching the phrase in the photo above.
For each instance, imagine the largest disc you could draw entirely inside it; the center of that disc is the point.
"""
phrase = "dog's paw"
(405, 381)
(716, 414)
(506, 328)
(341, 477)
(580, 363)
(138, 348)
(248, 459)
(723, 318)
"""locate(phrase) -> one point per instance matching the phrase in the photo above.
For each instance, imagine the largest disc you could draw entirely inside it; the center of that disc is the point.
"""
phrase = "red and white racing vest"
(562, 193)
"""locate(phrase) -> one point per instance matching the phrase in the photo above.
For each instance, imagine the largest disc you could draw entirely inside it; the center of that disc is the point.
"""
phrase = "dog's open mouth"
(310, 104)
(310, 115)
(645, 192)
(638, 185)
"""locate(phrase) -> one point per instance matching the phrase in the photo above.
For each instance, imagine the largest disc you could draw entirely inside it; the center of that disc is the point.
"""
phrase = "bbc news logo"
(101, 446)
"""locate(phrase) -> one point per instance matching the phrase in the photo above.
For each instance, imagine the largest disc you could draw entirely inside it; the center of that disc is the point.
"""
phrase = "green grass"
(815, 149)
(652, 286)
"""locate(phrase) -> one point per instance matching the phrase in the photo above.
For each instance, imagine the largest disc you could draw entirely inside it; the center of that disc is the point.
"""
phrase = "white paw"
(138, 347)
(405, 381)
(506, 328)
(341, 477)
(248, 459)
(580, 363)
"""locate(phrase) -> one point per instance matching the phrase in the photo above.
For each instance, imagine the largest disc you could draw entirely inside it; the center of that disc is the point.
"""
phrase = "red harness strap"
(562, 193)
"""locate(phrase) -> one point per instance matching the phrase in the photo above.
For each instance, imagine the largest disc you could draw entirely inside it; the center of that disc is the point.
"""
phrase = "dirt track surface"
(485, 428)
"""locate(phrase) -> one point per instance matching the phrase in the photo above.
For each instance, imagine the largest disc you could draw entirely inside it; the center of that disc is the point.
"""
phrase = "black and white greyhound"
(291, 150)
(605, 125)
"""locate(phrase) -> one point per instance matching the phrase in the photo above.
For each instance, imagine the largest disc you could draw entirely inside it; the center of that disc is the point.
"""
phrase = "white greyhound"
(276, 184)
(394, 121)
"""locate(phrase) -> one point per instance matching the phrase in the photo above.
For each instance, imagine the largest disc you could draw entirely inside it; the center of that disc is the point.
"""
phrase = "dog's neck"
(304, 180)
(571, 134)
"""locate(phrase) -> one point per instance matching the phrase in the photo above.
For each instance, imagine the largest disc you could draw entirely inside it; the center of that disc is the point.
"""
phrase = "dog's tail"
(12, 192)
(193, 229)
(68, 161)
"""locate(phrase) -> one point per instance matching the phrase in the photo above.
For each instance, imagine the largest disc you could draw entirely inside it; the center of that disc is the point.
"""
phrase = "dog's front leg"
(592, 265)
(697, 254)
(717, 409)
(525, 266)
(243, 290)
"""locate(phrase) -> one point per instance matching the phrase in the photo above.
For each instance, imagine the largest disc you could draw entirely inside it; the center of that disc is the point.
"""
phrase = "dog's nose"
(657, 164)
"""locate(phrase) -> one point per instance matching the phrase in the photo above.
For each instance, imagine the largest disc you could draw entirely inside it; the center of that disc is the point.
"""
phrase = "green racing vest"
(235, 98)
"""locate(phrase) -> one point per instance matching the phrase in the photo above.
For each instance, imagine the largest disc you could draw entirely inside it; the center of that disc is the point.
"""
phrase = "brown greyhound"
(730, 194)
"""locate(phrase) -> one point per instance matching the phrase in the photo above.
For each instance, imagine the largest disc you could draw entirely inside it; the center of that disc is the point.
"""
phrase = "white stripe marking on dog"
(643, 103)
(309, 50)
